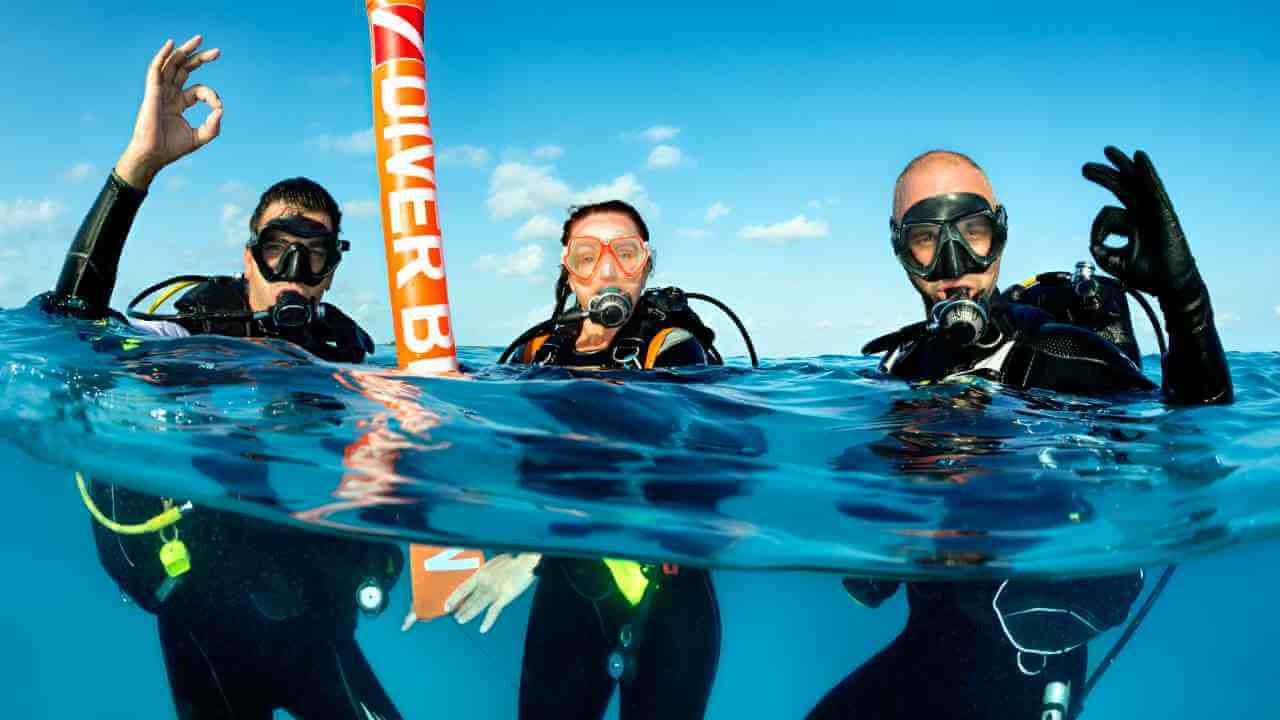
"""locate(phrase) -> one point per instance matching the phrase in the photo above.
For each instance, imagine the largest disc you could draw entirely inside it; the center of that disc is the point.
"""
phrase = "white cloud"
(78, 172)
(692, 233)
(717, 211)
(235, 224)
(539, 227)
(660, 133)
(548, 152)
(231, 187)
(516, 188)
(174, 183)
(824, 325)
(623, 187)
(665, 156)
(797, 228)
(1227, 319)
(357, 143)
(1277, 310)
(522, 263)
(824, 203)
(361, 208)
(22, 213)
(476, 157)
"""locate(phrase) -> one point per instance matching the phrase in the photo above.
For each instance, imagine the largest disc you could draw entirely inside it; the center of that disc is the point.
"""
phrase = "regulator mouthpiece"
(610, 307)
(960, 320)
(291, 311)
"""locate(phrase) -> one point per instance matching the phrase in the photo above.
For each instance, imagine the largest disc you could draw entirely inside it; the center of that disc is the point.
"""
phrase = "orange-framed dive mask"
(585, 255)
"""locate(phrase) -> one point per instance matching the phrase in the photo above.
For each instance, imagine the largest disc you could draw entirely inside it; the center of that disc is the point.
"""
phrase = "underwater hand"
(499, 581)
(161, 134)
(1157, 259)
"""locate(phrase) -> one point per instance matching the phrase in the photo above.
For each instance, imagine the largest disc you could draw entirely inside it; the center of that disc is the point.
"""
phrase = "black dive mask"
(947, 236)
(610, 307)
(296, 249)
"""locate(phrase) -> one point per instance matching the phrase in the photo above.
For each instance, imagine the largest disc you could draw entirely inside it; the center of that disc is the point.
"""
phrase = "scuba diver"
(652, 630)
(1017, 648)
(252, 616)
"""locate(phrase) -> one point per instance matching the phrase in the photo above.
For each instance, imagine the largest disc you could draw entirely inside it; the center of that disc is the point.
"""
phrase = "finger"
(1110, 221)
(1108, 178)
(197, 93)
(1147, 170)
(179, 58)
(157, 62)
(459, 593)
(474, 605)
(194, 62)
(210, 128)
(1119, 159)
(494, 611)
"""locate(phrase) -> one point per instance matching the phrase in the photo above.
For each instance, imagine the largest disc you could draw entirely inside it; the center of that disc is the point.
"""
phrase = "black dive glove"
(1157, 260)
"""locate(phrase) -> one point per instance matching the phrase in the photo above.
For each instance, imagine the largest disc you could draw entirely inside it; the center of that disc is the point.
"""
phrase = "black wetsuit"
(265, 619)
(579, 614)
(953, 658)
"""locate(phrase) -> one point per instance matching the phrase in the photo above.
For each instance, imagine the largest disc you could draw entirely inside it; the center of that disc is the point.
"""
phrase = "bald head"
(935, 173)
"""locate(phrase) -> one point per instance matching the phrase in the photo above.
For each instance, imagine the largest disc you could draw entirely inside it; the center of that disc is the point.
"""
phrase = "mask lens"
(630, 253)
(978, 231)
(583, 256)
(272, 251)
(922, 241)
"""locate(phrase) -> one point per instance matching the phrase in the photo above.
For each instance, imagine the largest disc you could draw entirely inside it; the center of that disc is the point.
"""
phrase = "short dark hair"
(301, 193)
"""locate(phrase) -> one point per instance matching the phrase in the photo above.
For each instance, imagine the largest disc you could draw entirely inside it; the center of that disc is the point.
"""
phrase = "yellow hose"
(170, 292)
(159, 522)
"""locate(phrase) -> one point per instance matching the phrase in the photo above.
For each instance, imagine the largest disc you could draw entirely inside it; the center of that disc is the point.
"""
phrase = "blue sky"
(791, 122)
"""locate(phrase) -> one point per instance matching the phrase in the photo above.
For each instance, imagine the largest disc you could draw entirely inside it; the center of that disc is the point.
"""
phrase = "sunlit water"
(807, 464)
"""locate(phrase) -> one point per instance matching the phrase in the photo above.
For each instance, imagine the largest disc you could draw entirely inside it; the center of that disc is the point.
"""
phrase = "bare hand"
(494, 585)
(161, 134)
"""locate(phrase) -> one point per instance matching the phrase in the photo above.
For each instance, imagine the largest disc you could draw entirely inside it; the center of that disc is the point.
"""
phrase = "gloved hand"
(1157, 259)
(499, 581)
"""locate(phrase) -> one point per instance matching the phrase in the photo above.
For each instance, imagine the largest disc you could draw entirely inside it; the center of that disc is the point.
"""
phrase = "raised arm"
(1158, 260)
(161, 135)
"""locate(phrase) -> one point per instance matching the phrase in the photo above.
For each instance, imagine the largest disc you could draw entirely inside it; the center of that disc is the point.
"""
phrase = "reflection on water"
(814, 463)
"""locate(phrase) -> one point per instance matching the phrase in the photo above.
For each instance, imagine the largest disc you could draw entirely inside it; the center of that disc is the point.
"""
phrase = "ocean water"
(779, 480)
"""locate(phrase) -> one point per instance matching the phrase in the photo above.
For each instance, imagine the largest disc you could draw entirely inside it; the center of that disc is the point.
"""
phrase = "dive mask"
(583, 255)
(947, 236)
(296, 249)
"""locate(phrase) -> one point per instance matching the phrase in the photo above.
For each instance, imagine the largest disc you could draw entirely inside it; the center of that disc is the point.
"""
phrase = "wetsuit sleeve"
(679, 348)
(1195, 370)
(1066, 358)
(89, 271)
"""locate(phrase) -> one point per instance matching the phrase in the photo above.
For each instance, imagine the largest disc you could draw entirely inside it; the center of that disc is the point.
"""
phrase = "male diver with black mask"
(652, 631)
(252, 616)
(1017, 648)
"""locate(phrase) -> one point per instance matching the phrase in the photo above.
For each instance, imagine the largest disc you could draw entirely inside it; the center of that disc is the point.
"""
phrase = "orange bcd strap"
(655, 347)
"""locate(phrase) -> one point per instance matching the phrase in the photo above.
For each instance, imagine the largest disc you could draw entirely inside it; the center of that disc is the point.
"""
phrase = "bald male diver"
(252, 616)
(1017, 649)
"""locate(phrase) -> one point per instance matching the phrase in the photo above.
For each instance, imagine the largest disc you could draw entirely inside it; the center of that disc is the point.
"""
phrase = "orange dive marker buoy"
(412, 239)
